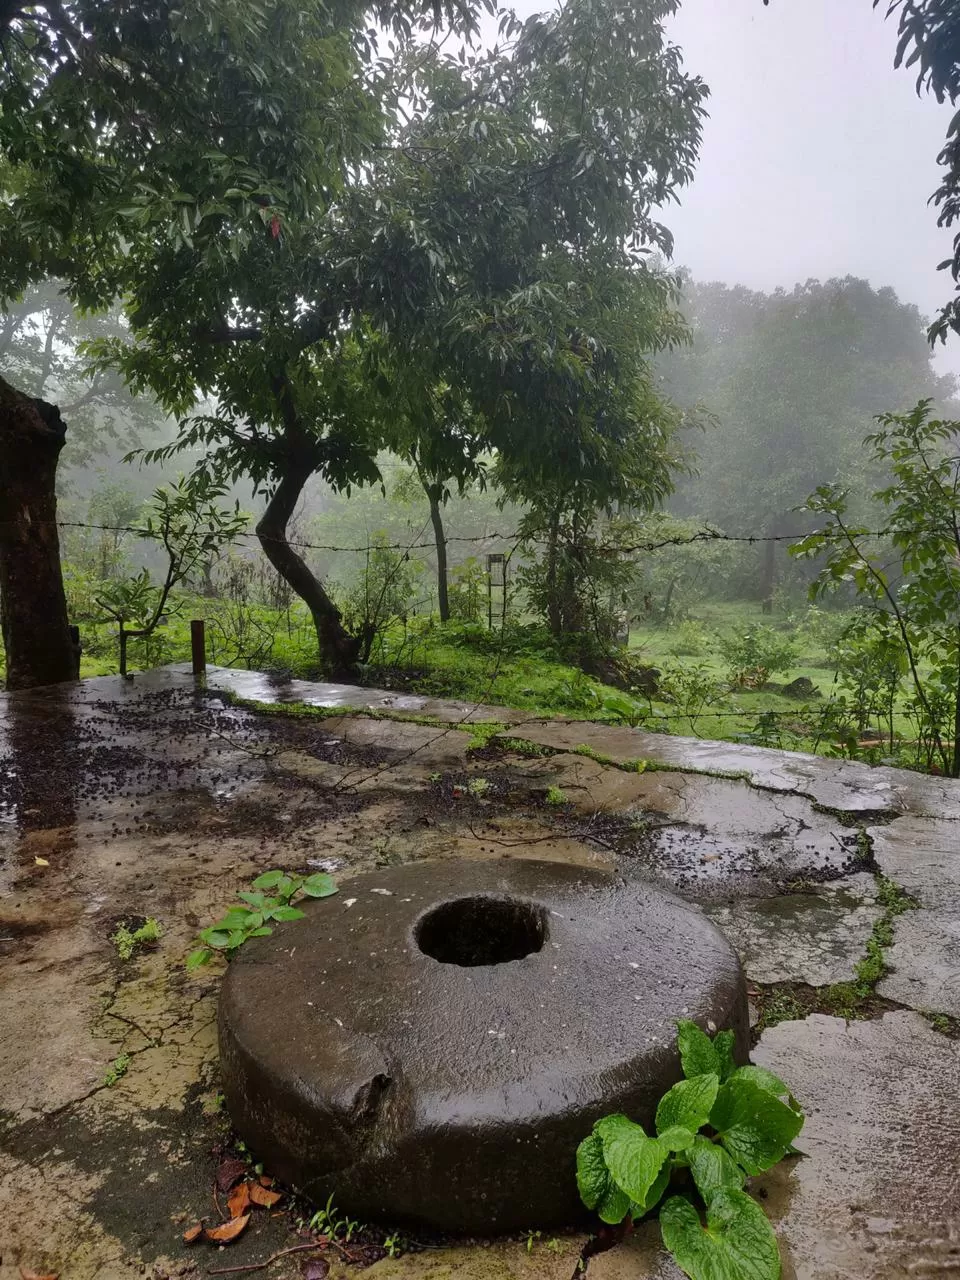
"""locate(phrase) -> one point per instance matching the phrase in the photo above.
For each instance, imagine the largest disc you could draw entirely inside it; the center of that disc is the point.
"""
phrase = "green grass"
(469, 663)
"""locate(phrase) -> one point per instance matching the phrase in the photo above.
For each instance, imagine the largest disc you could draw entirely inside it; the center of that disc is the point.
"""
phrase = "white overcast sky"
(818, 158)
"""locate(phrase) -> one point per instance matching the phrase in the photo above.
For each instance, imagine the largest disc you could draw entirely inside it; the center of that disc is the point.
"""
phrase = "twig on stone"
(260, 1266)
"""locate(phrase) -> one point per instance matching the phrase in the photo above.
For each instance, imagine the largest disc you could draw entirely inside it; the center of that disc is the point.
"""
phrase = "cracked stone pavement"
(158, 798)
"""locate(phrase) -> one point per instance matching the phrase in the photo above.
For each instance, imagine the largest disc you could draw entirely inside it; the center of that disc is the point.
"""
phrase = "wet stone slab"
(814, 937)
(156, 797)
(922, 855)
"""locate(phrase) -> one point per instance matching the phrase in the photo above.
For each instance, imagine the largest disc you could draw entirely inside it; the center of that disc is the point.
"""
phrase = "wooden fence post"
(198, 646)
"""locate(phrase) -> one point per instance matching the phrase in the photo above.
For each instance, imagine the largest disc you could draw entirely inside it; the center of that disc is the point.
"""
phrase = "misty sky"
(818, 158)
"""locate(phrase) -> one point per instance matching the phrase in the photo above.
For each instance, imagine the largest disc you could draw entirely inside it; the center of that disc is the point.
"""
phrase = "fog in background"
(818, 158)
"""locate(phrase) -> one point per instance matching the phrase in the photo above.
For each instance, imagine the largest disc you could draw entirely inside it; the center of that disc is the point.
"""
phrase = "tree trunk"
(554, 607)
(768, 580)
(433, 493)
(33, 606)
(338, 649)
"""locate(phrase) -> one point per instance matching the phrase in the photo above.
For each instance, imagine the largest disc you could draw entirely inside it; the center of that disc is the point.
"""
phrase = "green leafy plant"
(394, 1245)
(717, 1126)
(478, 787)
(329, 1223)
(909, 597)
(127, 941)
(117, 1070)
(754, 654)
(556, 796)
(268, 901)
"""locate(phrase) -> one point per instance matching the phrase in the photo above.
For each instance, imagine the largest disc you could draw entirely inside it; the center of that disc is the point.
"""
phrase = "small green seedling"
(269, 900)
(327, 1222)
(128, 942)
(394, 1246)
(719, 1125)
(556, 796)
(478, 787)
(117, 1070)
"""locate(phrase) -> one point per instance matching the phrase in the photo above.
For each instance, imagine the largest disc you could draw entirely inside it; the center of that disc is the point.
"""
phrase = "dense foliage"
(719, 1125)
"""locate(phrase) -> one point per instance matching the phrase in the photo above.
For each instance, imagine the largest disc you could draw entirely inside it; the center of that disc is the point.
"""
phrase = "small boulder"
(801, 689)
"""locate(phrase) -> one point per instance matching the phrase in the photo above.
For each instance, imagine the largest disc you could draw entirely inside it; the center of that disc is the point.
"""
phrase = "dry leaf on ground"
(229, 1231)
(260, 1195)
(193, 1233)
(240, 1198)
(27, 1274)
(229, 1172)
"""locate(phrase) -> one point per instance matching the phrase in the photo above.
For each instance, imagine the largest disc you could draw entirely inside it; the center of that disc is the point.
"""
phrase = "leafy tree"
(918, 601)
(188, 522)
(492, 245)
(141, 141)
(795, 380)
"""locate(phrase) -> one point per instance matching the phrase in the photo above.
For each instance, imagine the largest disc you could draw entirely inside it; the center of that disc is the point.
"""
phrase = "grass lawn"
(697, 696)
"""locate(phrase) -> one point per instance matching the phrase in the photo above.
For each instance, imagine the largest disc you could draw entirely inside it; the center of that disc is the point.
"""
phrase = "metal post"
(198, 646)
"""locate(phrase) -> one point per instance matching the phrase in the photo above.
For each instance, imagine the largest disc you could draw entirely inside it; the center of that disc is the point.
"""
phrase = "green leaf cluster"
(267, 902)
(719, 1125)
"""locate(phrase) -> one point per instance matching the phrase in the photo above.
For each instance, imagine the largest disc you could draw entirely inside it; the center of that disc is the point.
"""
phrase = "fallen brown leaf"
(266, 1180)
(240, 1198)
(26, 1274)
(260, 1195)
(229, 1231)
(229, 1172)
(193, 1233)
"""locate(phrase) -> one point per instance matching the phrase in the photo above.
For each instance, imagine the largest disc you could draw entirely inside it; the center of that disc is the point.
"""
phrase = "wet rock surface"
(419, 1047)
(157, 798)
(815, 937)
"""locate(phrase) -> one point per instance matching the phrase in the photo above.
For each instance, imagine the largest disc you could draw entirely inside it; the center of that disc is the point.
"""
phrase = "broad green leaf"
(202, 956)
(592, 1176)
(269, 880)
(319, 886)
(284, 913)
(754, 1126)
(217, 938)
(262, 932)
(764, 1078)
(655, 1194)
(235, 918)
(676, 1138)
(697, 1053)
(633, 1159)
(614, 1206)
(688, 1103)
(712, 1169)
(254, 899)
(723, 1042)
(737, 1243)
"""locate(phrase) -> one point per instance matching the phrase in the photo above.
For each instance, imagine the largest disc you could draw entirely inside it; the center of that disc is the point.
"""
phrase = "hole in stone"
(481, 931)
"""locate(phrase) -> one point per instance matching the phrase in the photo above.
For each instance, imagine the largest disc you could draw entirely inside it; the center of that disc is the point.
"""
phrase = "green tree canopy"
(489, 254)
(794, 381)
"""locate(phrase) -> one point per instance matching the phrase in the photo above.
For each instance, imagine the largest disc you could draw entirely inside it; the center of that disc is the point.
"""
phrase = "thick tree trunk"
(33, 606)
(339, 650)
(433, 494)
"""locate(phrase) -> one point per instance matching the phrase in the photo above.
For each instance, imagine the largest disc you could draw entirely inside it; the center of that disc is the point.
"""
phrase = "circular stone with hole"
(430, 1045)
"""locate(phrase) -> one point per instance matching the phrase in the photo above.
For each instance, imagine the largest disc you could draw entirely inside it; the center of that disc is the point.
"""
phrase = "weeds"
(267, 902)
(127, 941)
(720, 1125)
(117, 1070)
